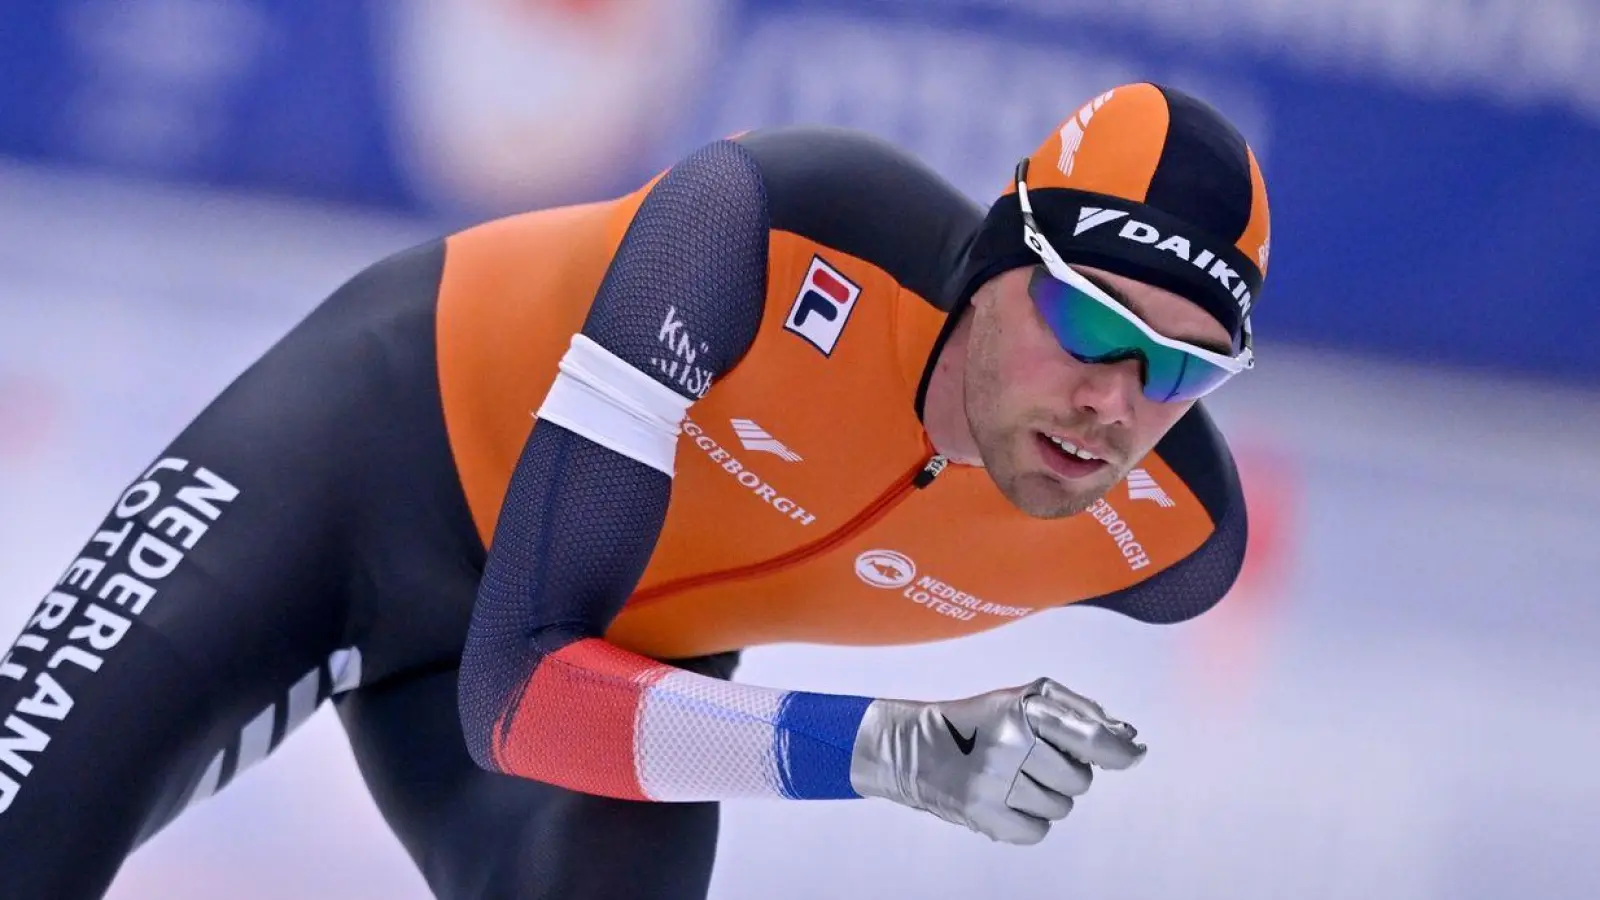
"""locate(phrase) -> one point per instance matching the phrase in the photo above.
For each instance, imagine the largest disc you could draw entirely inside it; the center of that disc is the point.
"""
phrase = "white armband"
(601, 397)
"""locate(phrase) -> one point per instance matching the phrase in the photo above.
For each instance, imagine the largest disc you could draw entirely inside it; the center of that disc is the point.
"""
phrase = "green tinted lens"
(1095, 333)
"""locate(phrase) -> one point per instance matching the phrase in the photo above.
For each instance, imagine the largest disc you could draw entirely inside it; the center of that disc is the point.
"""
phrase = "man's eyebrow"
(1122, 297)
(1112, 291)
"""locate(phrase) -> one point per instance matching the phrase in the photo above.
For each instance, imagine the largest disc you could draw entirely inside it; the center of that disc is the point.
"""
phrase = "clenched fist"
(1005, 764)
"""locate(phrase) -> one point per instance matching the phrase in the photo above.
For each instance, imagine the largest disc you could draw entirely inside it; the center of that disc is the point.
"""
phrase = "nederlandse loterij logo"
(885, 569)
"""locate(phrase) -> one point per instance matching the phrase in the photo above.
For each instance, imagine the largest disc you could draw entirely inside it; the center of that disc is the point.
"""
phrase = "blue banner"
(1431, 163)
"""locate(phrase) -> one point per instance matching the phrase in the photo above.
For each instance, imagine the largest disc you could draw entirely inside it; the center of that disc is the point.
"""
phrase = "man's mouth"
(1067, 458)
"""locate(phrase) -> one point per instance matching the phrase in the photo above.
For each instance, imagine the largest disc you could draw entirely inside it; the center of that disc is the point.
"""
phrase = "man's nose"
(1107, 390)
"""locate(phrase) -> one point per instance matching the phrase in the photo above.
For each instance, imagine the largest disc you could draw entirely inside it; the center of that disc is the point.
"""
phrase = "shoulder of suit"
(863, 196)
(1197, 453)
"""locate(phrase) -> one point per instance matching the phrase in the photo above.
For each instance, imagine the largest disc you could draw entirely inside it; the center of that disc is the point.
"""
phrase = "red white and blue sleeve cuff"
(601, 720)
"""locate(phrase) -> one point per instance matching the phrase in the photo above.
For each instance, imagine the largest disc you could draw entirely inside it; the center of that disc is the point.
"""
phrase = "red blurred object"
(29, 409)
(1230, 642)
(575, 11)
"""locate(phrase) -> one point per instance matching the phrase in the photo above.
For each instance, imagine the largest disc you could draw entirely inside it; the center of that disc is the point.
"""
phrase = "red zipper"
(916, 479)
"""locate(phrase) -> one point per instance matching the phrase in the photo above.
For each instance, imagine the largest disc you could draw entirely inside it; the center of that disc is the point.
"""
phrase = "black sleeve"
(1197, 452)
(580, 521)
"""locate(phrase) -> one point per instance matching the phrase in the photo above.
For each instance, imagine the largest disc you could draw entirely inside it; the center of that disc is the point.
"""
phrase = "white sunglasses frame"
(1059, 270)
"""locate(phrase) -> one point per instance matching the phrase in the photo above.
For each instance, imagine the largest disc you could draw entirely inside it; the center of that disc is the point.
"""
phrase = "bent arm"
(542, 694)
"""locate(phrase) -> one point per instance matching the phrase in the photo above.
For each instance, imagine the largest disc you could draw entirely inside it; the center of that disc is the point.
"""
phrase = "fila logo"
(1072, 132)
(823, 306)
(754, 437)
(1143, 487)
(1092, 217)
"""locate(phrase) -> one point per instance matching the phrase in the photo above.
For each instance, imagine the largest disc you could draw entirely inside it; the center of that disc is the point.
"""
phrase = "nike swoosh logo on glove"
(964, 744)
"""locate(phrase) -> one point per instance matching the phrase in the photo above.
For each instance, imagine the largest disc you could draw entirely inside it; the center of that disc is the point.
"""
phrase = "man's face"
(1023, 391)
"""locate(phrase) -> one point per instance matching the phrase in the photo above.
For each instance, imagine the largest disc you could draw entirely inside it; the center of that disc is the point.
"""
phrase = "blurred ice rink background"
(1398, 701)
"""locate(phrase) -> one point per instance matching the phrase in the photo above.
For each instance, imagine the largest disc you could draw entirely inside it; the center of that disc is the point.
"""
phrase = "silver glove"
(1005, 764)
